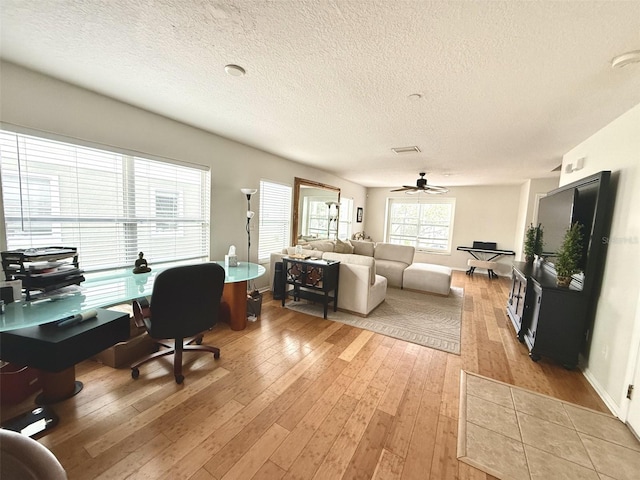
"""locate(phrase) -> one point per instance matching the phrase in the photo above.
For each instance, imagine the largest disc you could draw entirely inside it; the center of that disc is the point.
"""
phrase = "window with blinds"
(425, 224)
(109, 205)
(346, 218)
(275, 218)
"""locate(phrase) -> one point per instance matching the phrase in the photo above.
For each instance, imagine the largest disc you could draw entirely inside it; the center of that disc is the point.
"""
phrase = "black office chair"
(184, 303)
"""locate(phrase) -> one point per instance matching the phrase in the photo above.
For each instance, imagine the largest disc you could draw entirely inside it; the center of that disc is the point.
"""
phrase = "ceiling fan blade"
(434, 190)
(421, 187)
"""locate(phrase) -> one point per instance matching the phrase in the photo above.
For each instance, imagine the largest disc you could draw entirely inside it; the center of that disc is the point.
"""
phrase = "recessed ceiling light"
(626, 59)
(234, 70)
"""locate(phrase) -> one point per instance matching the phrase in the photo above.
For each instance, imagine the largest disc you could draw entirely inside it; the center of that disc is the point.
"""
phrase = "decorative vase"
(564, 281)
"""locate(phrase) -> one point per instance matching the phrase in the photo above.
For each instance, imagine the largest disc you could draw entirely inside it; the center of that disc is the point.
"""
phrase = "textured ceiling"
(506, 87)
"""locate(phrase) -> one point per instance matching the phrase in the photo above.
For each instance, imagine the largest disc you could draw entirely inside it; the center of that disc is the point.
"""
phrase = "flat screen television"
(555, 215)
(565, 206)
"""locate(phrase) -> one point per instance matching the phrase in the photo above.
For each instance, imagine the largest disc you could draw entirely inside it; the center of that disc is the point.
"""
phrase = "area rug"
(513, 433)
(430, 320)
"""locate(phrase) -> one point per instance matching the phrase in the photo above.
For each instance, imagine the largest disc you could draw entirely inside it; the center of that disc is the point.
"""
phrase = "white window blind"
(107, 204)
(425, 224)
(346, 218)
(275, 218)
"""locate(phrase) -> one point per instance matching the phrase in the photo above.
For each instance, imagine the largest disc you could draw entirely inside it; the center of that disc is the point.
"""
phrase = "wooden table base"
(235, 296)
(58, 386)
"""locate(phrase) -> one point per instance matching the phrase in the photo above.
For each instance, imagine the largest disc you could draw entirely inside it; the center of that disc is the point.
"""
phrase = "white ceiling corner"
(507, 87)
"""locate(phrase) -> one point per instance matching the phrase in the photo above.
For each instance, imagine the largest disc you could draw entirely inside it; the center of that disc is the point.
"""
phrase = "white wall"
(38, 102)
(487, 213)
(615, 334)
(529, 192)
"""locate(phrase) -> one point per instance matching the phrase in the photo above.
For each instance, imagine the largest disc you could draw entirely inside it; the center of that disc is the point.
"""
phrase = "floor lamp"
(248, 192)
(333, 217)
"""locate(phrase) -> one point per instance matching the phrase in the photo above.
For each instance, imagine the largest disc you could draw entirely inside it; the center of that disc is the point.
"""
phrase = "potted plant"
(533, 242)
(569, 256)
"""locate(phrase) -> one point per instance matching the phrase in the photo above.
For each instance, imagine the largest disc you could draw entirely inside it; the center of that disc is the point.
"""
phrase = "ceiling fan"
(421, 187)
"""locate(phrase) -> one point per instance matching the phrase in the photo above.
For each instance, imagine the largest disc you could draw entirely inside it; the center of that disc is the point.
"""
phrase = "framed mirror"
(316, 211)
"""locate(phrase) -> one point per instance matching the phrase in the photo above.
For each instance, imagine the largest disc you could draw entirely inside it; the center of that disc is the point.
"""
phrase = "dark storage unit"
(278, 281)
(315, 280)
(554, 321)
(519, 306)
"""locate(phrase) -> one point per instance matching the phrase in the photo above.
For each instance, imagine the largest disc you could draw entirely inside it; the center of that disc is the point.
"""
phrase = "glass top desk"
(120, 286)
(97, 291)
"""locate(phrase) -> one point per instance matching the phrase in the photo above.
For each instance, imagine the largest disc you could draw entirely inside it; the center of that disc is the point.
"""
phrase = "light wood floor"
(298, 397)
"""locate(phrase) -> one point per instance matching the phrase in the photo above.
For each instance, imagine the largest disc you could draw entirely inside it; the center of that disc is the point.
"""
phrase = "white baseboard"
(606, 398)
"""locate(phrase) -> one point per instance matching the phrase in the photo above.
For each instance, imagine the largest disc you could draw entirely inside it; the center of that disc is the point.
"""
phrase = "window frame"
(421, 201)
(264, 217)
(28, 153)
(345, 224)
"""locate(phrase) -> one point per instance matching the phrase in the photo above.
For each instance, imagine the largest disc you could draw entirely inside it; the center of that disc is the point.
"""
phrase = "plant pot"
(529, 260)
(563, 281)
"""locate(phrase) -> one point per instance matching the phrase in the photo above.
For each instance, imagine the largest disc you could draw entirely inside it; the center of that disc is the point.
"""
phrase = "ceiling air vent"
(399, 150)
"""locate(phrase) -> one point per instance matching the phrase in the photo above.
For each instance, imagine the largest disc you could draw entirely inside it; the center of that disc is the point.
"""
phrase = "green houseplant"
(533, 242)
(569, 256)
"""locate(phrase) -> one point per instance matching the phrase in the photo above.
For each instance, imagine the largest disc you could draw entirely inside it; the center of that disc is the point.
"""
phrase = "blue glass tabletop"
(101, 290)
(243, 272)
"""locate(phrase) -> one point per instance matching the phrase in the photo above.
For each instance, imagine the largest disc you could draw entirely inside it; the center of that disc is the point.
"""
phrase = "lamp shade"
(248, 191)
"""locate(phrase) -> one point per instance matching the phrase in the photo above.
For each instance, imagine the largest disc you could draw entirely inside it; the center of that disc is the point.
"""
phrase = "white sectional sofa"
(361, 289)
(366, 269)
(392, 260)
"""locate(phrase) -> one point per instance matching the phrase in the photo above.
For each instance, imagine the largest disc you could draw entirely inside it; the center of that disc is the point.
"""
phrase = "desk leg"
(58, 386)
(235, 295)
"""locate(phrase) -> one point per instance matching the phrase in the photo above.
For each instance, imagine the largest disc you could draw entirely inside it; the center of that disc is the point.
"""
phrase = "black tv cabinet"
(555, 321)
(552, 321)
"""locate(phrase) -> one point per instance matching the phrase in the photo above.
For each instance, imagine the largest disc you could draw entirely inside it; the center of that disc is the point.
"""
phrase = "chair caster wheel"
(216, 355)
(535, 357)
(179, 379)
(135, 373)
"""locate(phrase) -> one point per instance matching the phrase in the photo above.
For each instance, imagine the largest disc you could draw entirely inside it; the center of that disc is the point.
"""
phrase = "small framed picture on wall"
(359, 215)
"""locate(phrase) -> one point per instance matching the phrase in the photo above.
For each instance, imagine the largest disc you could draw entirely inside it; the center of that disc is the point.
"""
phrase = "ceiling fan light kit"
(411, 149)
(626, 59)
(422, 187)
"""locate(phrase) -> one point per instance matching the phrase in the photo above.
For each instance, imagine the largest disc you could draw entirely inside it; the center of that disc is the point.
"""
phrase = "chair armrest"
(141, 310)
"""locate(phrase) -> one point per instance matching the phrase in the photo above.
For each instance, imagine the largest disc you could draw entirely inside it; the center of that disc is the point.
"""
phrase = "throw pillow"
(322, 245)
(363, 248)
(343, 247)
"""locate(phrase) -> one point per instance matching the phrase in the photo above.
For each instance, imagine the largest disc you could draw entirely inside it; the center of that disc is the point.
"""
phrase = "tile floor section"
(512, 433)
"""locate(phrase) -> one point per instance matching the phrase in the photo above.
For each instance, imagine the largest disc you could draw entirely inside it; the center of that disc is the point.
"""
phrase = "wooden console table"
(312, 279)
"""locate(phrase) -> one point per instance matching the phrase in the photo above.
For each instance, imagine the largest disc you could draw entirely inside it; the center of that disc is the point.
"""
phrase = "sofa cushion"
(343, 247)
(361, 247)
(428, 278)
(389, 251)
(354, 260)
(392, 270)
